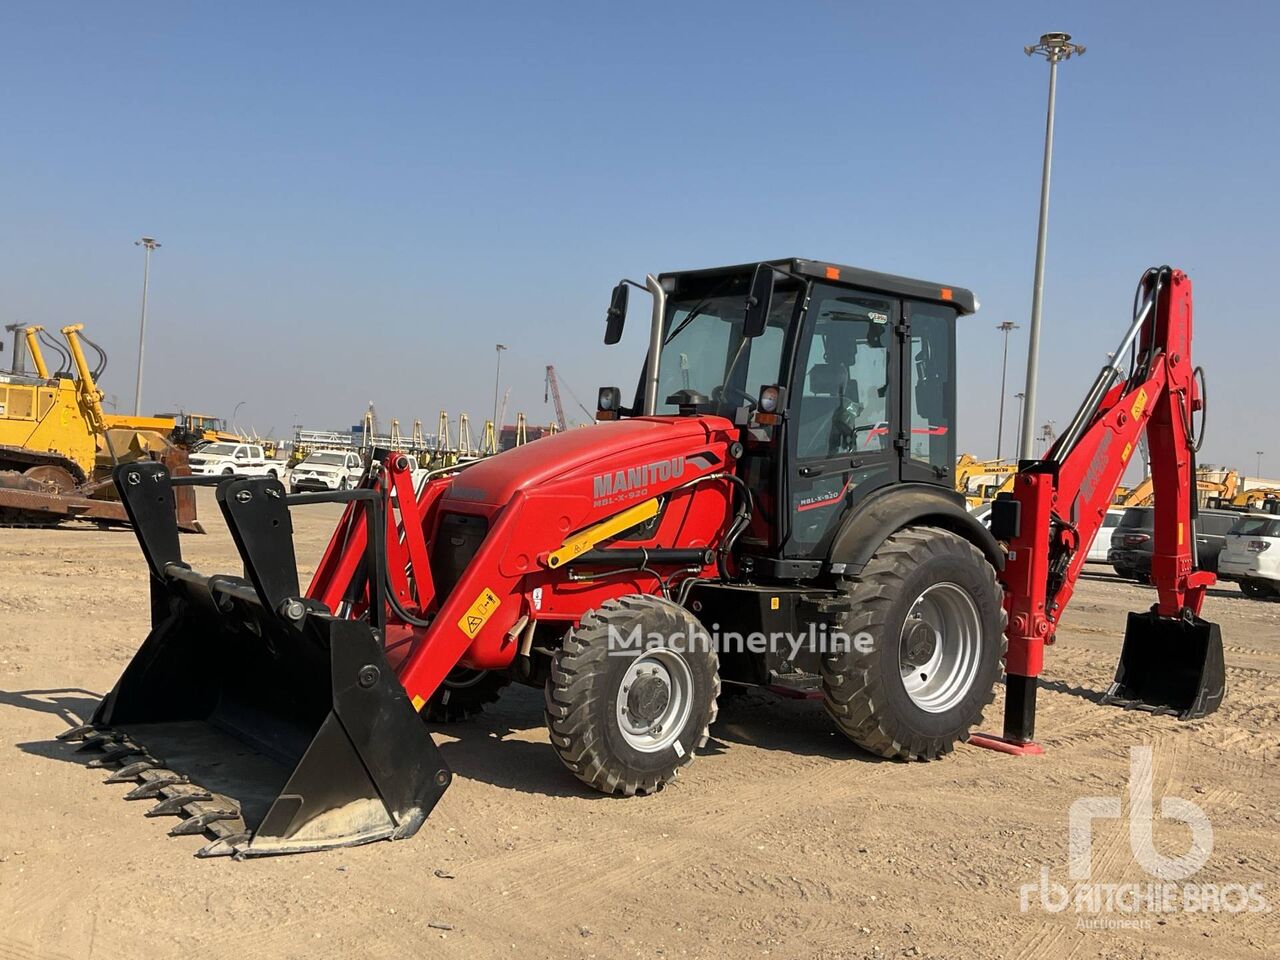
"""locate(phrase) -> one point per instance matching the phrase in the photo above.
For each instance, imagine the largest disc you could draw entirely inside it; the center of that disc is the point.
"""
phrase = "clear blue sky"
(357, 201)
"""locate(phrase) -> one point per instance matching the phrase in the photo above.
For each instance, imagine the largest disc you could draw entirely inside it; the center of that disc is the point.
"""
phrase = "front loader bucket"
(1170, 665)
(252, 713)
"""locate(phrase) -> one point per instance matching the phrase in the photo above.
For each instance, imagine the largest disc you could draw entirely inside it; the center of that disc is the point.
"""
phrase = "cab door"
(845, 413)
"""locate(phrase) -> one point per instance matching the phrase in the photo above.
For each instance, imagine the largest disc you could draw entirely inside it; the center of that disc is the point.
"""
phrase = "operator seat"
(829, 392)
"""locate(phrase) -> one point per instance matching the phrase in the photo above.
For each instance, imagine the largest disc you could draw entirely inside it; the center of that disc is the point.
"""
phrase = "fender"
(889, 510)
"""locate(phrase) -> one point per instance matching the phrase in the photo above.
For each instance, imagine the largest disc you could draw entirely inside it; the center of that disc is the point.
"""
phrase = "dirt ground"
(781, 840)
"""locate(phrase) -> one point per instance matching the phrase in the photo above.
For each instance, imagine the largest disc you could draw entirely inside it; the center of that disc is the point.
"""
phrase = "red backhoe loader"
(775, 507)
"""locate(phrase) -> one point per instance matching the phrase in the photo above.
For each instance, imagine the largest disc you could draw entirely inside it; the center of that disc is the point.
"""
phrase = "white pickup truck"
(327, 470)
(235, 459)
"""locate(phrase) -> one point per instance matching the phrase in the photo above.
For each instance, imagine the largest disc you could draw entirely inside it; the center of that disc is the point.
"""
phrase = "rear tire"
(625, 719)
(1256, 590)
(463, 695)
(931, 608)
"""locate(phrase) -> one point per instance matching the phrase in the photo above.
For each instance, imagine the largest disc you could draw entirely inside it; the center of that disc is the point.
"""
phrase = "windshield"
(219, 449)
(704, 350)
(325, 460)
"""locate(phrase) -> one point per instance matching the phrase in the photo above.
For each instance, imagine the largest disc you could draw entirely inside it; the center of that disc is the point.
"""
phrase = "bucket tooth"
(152, 787)
(77, 733)
(132, 771)
(172, 805)
(99, 740)
(201, 821)
(228, 846)
(112, 755)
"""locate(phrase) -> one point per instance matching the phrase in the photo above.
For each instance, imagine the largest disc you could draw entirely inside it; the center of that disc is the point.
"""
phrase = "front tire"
(625, 718)
(926, 647)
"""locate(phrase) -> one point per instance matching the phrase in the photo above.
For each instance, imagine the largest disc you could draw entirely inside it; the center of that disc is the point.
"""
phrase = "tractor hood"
(598, 449)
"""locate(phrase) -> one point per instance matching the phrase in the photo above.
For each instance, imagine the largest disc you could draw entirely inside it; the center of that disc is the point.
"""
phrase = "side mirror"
(617, 315)
(759, 301)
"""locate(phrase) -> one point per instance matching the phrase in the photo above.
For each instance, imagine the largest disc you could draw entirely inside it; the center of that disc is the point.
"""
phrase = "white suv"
(1251, 555)
(1101, 545)
(327, 470)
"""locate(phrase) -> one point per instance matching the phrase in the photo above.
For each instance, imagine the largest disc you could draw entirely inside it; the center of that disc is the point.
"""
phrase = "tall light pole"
(1054, 47)
(1021, 406)
(148, 244)
(497, 378)
(1260, 453)
(1004, 369)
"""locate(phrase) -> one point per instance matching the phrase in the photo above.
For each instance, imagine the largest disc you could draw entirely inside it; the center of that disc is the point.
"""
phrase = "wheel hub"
(940, 647)
(648, 697)
(654, 700)
(919, 641)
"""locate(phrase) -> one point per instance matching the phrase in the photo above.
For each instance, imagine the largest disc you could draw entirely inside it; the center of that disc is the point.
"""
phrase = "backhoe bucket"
(1170, 665)
(263, 721)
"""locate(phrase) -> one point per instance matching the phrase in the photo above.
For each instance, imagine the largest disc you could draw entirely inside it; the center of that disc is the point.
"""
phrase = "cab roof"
(959, 297)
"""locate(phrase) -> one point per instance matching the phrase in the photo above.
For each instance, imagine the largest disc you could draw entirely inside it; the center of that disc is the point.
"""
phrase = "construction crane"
(553, 387)
(553, 390)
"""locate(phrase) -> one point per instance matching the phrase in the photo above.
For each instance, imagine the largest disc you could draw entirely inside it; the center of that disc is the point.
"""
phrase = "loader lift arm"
(1059, 503)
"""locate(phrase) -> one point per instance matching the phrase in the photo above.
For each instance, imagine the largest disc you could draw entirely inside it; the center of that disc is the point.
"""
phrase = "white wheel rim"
(647, 723)
(940, 647)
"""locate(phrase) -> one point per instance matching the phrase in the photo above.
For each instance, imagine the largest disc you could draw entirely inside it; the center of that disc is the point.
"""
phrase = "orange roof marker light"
(946, 293)
(833, 273)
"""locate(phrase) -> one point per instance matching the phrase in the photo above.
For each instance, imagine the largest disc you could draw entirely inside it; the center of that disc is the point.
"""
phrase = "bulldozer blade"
(275, 727)
(1170, 666)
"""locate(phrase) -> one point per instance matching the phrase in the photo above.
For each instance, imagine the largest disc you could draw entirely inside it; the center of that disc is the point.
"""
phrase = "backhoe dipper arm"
(1059, 503)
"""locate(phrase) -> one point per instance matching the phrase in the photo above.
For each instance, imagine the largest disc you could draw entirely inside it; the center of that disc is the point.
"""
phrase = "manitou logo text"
(625, 484)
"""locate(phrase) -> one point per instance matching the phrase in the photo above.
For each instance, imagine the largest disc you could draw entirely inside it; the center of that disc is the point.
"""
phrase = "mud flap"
(271, 726)
(1170, 665)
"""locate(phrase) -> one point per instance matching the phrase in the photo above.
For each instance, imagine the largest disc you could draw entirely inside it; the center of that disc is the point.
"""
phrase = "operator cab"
(842, 380)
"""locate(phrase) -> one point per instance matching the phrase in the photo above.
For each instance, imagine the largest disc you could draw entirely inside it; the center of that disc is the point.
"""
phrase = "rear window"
(1137, 517)
(1110, 520)
(1214, 523)
(1256, 527)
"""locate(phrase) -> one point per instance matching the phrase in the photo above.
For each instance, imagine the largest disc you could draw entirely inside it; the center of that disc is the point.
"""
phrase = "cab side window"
(932, 390)
(843, 406)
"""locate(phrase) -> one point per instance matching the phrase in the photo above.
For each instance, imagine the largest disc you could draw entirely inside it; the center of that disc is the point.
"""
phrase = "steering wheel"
(727, 392)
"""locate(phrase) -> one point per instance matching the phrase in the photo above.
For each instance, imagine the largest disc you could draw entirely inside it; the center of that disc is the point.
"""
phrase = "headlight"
(608, 403)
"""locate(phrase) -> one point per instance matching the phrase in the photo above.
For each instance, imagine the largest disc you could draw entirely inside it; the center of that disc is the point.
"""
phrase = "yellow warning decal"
(1179, 534)
(773, 603)
(1139, 403)
(479, 614)
(1128, 449)
(418, 702)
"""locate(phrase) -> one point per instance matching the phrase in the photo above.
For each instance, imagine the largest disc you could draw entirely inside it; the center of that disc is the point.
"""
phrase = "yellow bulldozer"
(58, 446)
